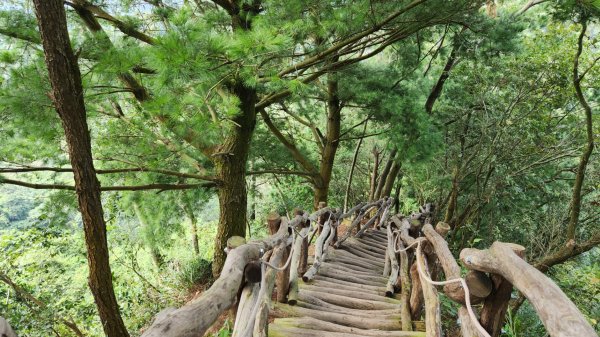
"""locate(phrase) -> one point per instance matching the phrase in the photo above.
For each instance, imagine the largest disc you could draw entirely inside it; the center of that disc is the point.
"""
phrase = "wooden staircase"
(346, 298)
(368, 282)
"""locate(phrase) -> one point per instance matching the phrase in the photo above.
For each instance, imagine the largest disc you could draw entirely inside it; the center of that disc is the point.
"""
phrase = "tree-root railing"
(196, 317)
(250, 270)
(506, 267)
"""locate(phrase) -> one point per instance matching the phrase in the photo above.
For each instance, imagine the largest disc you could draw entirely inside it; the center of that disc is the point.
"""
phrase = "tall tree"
(67, 95)
(197, 74)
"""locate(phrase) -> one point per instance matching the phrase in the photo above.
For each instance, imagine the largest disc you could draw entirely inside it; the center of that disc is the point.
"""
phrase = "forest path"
(346, 298)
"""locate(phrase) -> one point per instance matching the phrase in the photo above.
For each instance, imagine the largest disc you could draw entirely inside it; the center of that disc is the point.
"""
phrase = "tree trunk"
(390, 180)
(373, 184)
(384, 174)
(332, 142)
(230, 161)
(436, 91)
(187, 207)
(148, 236)
(450, 209)
(67, 95)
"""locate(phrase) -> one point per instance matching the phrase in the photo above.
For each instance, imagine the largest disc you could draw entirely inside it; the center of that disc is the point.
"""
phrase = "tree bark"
(390, 180)
(373, 184)
(230, 160)
(385, 173)
(67, 95)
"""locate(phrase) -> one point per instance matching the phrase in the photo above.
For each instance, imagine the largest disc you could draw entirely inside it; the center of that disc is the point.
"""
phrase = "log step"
(308, 326)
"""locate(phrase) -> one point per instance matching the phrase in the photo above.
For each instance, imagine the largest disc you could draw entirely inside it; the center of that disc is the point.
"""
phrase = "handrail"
(412, 235)
(195, 317)
(558, 314)
(556, 311)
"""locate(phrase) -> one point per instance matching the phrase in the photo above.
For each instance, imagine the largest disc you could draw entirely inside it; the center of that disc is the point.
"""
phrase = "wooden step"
(390, 323)
(353, 293)
(309, 323)
(316, 304)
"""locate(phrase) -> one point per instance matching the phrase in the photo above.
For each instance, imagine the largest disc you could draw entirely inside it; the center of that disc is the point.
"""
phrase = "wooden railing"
(251, 270)
(492, 275)
(417, 255)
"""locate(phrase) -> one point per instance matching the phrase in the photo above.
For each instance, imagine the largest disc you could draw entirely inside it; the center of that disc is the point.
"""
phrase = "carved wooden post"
(260, 321)
(495, 306)
(295, 266)
(273, 222)
(323, 217)
(404, 281)
(334, 231)
(283, 277)
(416, 294)
(452, 271)
(251, 271)
(392, 262)
(433, 319)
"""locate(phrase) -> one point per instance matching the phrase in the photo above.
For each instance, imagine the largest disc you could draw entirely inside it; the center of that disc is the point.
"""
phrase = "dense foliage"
(478, 107)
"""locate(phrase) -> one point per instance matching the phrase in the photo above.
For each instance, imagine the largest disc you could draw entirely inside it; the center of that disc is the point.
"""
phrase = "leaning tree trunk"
(373, 181)
(390, 180)
(384, 174)
(230, 160)
(67, 95)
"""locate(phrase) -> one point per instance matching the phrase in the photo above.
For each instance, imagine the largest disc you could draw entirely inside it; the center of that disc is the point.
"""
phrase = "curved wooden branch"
(194, 318)
(452, 271)
(394, 266)
(320, 251)
(559, 315)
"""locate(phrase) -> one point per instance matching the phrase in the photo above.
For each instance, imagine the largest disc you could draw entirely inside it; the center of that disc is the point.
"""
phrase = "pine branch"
(108, 171)
(284, 172)
(161, 187)
(19, 35)
(349, 41)
(569, 251)
(528, 6)
(313, 128)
